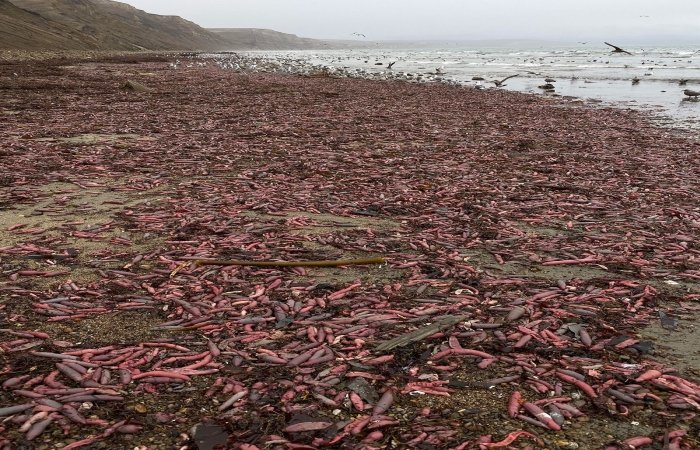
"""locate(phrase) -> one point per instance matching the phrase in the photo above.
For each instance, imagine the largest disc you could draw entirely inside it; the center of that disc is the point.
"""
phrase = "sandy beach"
(540, 254)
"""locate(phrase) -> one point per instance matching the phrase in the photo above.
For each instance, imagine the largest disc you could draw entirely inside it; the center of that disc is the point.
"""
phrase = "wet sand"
(483, 202)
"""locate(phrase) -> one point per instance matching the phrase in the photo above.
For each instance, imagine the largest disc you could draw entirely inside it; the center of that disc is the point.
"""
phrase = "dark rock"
(208, 436)
(362, 388)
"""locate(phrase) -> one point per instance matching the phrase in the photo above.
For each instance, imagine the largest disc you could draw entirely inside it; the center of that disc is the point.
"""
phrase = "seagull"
(617, 49)
(390, 65)
(359, 34)
(690, 93)
(500, 83)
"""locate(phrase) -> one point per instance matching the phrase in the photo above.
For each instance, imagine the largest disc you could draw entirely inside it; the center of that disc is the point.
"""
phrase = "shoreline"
(536, 219)
(592, 84)
(281, 65)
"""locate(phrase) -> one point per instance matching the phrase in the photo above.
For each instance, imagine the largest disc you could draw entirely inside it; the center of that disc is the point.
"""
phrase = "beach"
(587, 72)
(540, 253)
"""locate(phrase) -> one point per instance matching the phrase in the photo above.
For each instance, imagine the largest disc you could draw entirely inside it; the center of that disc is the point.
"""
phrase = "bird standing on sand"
(691, 93)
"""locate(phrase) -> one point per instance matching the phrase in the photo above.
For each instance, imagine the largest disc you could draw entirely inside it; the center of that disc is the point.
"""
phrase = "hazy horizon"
(626, 21)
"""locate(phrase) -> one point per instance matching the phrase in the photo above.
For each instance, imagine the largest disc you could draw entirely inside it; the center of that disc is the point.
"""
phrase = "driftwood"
(135, 86)
(617, 49)
(421, 333)
(327, 263)
(237, 262)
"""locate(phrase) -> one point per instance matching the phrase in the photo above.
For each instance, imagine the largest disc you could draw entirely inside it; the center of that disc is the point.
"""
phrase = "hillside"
(97, 24)
(20, 29)
(260, 39)
(111, 25)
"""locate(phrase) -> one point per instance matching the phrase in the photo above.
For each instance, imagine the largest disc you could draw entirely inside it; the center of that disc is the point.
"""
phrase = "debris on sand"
(135, 86)
(527, 243)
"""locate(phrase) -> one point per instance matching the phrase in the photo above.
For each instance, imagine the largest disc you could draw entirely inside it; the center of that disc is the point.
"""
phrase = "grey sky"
(571, 20)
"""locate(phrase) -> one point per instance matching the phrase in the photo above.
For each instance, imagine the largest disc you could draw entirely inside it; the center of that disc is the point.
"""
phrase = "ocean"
(591, 73)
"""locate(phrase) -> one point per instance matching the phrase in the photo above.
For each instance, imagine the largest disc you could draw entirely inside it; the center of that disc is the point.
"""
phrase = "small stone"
(140, 408)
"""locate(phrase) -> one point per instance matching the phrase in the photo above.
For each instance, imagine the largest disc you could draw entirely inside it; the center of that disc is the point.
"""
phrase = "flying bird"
(500, 83)
(359, 34)
(617, 49)
(390, 65)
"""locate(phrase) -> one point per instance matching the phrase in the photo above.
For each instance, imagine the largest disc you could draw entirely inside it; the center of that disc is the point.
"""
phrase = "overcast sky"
(570, 20)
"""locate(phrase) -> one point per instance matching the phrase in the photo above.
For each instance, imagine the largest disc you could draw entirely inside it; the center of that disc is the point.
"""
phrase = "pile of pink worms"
(559, 232)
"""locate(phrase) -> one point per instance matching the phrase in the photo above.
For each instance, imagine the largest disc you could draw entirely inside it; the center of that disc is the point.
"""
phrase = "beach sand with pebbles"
(540, 253)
